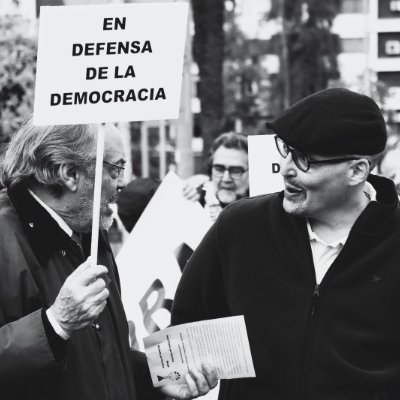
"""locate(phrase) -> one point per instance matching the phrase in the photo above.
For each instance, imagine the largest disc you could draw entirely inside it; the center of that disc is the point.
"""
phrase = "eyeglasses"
(235, 172)
(301, 160)
(117, 168)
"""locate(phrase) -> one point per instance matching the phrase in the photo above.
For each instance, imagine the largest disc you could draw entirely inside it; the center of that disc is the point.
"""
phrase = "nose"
(287, 166)
(121, 184)
(226, 177)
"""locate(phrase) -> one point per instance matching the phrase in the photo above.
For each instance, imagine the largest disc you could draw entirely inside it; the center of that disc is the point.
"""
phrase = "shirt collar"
(63, 225)
(314, 237)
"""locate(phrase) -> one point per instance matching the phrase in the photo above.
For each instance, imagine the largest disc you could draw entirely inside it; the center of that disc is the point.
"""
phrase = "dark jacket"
(340, 342)
(36, 257)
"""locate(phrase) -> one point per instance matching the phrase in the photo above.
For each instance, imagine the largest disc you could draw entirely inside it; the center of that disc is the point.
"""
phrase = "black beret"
(134, 199)
(333, 122)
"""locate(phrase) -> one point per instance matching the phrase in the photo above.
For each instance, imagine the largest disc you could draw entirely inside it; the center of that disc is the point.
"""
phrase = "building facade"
(370, 57)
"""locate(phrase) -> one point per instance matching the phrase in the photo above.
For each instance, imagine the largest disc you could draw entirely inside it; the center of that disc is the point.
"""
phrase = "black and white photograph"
(199, 198)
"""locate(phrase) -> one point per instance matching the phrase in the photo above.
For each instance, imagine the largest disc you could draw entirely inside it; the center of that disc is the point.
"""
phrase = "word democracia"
(108, 96)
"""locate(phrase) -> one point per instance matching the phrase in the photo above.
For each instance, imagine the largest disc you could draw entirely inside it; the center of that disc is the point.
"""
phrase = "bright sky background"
(250, 13)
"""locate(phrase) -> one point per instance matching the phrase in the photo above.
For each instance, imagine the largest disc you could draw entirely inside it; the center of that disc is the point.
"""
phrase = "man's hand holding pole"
(82, 297)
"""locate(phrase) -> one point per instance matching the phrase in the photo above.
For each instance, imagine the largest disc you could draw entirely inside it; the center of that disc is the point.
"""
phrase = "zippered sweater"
(340, 342)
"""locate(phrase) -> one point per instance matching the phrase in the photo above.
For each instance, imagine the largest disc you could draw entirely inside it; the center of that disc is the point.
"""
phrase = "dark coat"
(36, 257)
(342, 343)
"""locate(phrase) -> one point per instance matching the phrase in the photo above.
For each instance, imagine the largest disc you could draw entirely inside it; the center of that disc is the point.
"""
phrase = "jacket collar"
(378, 216)
(43, 232)
(62, 224)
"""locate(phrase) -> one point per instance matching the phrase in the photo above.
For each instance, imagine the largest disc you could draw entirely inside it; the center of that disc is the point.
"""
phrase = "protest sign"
(103, 63)
(152, 258)
(264, 170)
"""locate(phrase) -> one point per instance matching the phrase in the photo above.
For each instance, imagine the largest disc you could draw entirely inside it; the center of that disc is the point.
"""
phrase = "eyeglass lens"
(301, 161)
(234, 171)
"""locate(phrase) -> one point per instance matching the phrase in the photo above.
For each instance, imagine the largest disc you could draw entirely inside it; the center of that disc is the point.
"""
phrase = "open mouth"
(292, 190)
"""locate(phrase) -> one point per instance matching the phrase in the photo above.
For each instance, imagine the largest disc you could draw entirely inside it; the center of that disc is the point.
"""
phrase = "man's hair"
(230, 140)
(35, 154)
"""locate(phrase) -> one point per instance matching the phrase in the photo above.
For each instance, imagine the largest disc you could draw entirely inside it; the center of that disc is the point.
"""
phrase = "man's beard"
(105, 222)
(83, 213)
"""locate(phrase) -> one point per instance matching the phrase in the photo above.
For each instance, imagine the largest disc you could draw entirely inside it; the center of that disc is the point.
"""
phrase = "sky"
(250, 14)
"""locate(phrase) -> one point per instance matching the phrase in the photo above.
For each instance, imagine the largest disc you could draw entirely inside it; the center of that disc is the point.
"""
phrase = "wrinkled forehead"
(230, 157)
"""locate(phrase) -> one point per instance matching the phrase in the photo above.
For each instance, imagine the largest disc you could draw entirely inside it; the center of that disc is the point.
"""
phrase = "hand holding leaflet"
(222, 342)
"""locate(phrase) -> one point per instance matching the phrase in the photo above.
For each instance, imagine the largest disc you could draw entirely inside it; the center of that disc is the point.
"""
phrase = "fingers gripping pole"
(97, 195)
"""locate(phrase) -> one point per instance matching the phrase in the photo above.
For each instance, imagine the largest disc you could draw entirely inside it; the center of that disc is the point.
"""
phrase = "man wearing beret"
(315, 269)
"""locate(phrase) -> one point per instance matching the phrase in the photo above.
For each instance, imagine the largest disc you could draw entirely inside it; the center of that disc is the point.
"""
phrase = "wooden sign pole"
(97, 194)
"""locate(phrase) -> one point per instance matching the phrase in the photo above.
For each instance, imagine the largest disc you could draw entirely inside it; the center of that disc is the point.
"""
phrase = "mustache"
(112, 199)
(293, 184)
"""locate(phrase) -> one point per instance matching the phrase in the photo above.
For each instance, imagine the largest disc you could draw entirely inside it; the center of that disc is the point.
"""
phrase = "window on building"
(353, 45)
(392, 47)
(389, 44)
(394, 5)
(353, 6)
(388, 8)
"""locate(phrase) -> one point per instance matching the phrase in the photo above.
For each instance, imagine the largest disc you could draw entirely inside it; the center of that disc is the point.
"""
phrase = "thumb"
(174, 391)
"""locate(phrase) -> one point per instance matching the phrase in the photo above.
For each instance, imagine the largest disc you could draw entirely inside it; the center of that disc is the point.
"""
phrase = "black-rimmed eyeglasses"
(235, 172)
(117, 168)
(302, 161)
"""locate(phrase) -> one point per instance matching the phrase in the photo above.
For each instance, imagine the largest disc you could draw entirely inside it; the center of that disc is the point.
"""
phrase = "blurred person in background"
(133, 200)
(228, 170)
(63, 330)
(314, 269)
(228, 181)
(390, 167)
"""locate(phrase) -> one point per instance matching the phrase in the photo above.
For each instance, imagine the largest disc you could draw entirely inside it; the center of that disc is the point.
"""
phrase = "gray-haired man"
(63, 331)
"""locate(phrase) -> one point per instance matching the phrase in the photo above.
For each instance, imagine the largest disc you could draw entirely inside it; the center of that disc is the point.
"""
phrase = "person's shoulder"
(254, 204)
(7, 211)
(10, 223)
(249, 209)
(13, 245)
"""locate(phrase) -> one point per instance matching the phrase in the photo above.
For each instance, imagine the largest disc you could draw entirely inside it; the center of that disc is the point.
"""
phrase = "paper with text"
(223, 342)
(110, 62)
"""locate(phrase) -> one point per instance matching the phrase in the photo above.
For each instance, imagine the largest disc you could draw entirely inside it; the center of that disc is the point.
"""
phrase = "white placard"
(148, 261)
(104, 63)
(222, 342)
(264, 175)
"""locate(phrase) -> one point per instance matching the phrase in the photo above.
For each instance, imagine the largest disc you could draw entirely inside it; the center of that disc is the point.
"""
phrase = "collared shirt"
(63, 225)
(324, 254)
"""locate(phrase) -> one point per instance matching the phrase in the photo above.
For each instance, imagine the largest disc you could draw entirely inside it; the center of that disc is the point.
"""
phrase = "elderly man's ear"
(70, 176)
